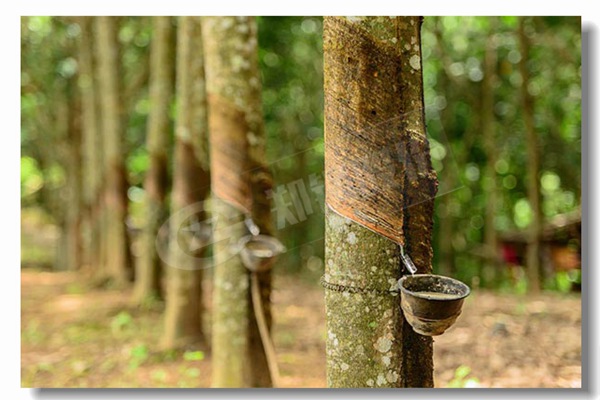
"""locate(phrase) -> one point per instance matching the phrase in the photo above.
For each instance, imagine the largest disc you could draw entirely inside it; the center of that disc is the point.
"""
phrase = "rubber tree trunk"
(75, 179)
(117, 253)
(240, 183)
(490, 184)
(91, 143)
(533, 167)
(191, 186)
(149, 265)
(374, 94)
(446, 222)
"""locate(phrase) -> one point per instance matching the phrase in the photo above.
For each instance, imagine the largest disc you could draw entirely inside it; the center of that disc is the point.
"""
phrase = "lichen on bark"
(362, 328)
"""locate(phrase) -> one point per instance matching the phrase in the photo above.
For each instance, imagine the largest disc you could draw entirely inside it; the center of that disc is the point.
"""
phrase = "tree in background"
(240, 182)
(74, 177)
(117, 257)
(291, 65)
(91, 142)
(455, 88)
(149, 266)
(191, 186)
(490, 85)
(533, 166)
(49, 121)
(492, 260)
(375, 138)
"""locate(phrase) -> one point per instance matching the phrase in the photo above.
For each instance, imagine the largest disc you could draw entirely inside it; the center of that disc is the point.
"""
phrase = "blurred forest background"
(503, 110)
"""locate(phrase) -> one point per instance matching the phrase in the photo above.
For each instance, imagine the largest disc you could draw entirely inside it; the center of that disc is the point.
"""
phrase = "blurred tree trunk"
(91, 143)
(149, 265)
(183, 315)
(533, 167)
(75, 184)
(446, 222)
(373, 86)
(491, 267)
(236, 123)
(117, 252)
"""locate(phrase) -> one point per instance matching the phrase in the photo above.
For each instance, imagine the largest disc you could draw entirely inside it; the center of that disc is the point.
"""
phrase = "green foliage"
(32, 179)
(563, 281)
(462, 380)
(193, 355)
(192, 372)
(75, 288)
(32, 333)
(453, 62)
(291, 62)
(159, 376)
(138, 355)
(82, 332)
(121, 322)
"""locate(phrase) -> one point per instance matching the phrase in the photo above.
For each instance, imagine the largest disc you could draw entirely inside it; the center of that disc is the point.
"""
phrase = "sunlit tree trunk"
(91, 145)
(236, 124)
(117, 253)
(191, 186)
(533, 166)
(374, 89)
(149, 265)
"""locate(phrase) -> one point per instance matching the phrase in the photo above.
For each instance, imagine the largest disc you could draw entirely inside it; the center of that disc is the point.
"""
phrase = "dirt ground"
(73, 335)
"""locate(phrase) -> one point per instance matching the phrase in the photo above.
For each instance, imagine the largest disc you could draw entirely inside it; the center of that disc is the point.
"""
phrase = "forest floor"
(75, 335)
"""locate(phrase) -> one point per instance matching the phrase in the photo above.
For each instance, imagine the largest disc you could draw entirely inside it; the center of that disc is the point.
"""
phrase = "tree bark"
(149, 266)
(117, 252)
(533, 167)
(191, 186)
(374, 94)
(91, 143)
(75, 199)
(240, 182)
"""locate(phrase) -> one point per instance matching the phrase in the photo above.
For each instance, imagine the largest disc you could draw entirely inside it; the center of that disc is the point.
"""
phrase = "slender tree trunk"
(183, 317)
(490, 184)
(75, 201)
(117, 253)
(149, 266)
(240, 182)
(92, 152)
(374, 94)
(533, 167)
(446, 224)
